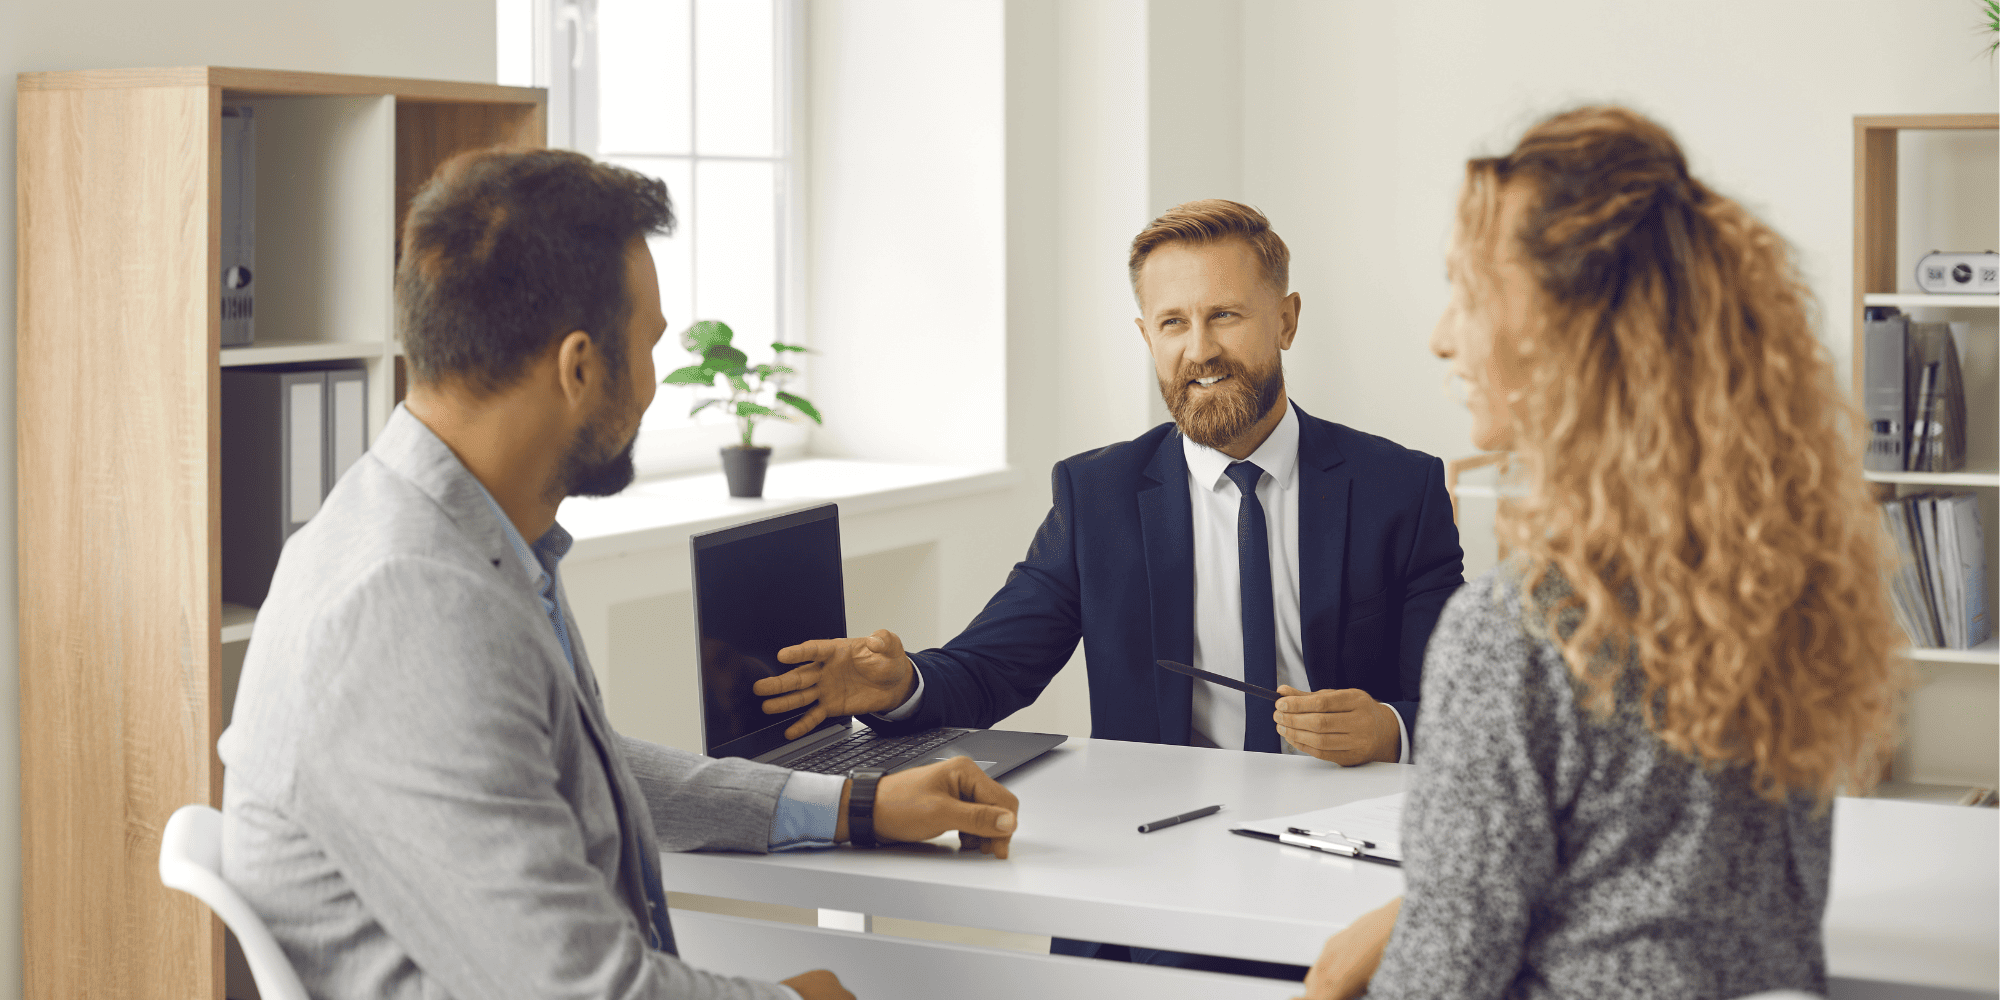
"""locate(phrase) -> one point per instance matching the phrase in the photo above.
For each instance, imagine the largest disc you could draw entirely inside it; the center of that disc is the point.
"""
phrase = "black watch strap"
(861, 805)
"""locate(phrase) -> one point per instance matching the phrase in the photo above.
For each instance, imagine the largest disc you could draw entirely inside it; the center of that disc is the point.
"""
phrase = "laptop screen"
(758, 588)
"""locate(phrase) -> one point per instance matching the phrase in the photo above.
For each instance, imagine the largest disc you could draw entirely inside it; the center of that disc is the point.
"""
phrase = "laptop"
(777, 582)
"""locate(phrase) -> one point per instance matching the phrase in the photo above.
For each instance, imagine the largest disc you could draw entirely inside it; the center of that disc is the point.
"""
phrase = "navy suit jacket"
(1113, 565)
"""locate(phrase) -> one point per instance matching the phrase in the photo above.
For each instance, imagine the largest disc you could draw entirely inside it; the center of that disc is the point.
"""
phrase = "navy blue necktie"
(1260, 621)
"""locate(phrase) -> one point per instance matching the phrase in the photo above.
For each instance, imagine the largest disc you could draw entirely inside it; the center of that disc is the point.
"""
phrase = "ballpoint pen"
(1314, 844)
(1303, 832)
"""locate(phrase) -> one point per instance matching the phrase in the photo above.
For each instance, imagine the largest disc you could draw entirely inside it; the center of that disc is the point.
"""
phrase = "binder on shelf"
(239, 226)
(1938, 587)
(347, 420)
(1965, 562)
(1882, 389)
(288, 433)
(1935, 383)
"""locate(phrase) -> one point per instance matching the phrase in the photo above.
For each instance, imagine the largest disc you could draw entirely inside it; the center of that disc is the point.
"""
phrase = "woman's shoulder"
(1486, 642)
(1481, 630)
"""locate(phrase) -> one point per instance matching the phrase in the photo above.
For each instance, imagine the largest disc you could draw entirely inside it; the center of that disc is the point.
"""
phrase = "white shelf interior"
(326, 218)
(1971, 479)
(1987, 652)
(1917, 791)
(274, 351)
(236, 622)
(1913, 300)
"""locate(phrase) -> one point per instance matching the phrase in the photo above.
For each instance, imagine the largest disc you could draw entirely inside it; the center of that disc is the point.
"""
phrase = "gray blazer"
(422, 799)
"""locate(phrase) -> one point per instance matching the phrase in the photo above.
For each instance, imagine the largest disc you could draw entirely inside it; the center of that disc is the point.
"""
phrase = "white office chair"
(191, 861)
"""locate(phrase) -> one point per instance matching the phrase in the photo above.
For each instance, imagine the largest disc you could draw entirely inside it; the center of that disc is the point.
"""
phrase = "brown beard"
(1245, 398)
(595, 466)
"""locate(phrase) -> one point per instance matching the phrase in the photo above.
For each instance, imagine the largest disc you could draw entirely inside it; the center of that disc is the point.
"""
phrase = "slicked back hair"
(1212, 220)
(505, 251)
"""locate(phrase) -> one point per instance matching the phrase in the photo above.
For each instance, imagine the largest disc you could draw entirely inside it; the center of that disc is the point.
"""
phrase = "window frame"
(565, 62)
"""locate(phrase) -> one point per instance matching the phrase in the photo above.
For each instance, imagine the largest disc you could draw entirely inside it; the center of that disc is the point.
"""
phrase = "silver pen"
(1303, 832)
(1312, 844)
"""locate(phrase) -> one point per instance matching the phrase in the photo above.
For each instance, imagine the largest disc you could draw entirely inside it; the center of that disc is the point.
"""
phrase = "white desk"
(1080, 868)
(1915, 895)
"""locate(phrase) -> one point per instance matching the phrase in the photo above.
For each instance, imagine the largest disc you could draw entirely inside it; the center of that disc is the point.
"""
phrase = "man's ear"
(578, 369)
(1144, 334)
(1292, 305)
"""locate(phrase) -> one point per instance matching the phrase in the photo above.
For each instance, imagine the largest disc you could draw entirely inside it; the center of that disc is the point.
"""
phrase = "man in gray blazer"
(424, 797)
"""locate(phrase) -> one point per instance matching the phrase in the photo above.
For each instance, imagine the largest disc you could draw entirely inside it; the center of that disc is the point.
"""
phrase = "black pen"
(1161, 824)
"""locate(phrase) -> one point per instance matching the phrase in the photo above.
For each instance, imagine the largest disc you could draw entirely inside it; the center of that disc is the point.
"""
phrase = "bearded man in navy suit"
(1246, 537)
(1139, 556)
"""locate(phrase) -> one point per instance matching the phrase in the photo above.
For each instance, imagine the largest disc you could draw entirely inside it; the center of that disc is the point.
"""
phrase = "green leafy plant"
(1992, 8)
(755, 392)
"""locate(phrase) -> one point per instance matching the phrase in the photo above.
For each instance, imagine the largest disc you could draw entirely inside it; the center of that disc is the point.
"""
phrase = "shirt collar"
(539, 559)
(1278, 456)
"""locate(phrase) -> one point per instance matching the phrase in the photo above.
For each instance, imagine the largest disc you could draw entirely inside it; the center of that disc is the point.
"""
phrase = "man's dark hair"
(507, 250)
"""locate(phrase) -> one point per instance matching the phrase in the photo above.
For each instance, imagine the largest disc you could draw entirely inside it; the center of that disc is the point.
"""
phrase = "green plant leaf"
(767, 371)
(691, 375)
(705, 404)
(799, 403)
(782, 348)
(736, 382)
(725, 359)
(754, 410)
(706, 334)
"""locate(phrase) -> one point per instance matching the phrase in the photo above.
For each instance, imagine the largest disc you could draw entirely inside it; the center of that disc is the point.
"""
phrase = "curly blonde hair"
(1691, 470)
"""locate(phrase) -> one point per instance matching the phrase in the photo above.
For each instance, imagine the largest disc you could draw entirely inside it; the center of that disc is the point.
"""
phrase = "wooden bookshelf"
(1882, 279)
(118, 372)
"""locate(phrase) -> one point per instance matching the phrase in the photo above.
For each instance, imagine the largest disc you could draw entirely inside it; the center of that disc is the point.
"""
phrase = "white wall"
(1357, 119)
(906, 275)
(442, 39)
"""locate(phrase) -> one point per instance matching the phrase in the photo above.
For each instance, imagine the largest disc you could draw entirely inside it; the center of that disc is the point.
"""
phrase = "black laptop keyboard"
(867, 749)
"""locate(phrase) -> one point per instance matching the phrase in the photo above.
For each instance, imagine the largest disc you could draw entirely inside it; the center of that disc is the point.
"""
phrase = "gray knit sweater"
(1551, 854)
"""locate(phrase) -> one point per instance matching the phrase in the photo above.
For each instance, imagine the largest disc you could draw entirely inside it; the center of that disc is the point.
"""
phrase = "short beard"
(1223, 417)
(592, 468)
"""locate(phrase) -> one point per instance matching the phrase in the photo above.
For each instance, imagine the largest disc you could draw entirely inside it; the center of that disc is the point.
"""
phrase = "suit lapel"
(1323, 502)
(1166, 521)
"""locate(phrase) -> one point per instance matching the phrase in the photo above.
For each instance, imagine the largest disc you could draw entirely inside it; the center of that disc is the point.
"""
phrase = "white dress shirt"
(1218, 590)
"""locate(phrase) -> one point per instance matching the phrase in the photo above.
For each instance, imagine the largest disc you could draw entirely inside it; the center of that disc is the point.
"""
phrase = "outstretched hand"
(851, 676)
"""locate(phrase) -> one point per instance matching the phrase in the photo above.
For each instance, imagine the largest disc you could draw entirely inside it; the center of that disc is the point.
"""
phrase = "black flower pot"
(745, 469)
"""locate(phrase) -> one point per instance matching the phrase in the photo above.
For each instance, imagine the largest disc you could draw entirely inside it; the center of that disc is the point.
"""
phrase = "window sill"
(659, 513)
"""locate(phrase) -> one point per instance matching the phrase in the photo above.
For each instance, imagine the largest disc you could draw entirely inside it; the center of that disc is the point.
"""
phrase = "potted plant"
(753, 393)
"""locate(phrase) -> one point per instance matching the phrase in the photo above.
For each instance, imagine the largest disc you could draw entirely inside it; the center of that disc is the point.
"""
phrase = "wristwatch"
(861, 805)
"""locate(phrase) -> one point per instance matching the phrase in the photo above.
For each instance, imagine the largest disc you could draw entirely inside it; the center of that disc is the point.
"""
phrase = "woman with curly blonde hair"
(1635, 725)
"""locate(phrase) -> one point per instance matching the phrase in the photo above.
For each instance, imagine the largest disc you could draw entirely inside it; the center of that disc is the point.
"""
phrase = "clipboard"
(1366, 830)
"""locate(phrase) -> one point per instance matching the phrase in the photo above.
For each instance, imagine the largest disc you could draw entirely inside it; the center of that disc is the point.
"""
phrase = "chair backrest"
(191, 861)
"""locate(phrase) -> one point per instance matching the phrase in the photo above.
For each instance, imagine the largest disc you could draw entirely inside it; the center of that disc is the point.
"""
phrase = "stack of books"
(1939, 586)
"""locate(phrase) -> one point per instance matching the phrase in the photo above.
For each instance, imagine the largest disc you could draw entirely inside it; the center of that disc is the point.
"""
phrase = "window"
(701, 94)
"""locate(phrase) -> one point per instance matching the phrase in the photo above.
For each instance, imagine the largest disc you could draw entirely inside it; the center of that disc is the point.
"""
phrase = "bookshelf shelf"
(1972, 479)
(125, 680)
(236, 622)
(1987, 652)
(280, 352)
(1909, 300)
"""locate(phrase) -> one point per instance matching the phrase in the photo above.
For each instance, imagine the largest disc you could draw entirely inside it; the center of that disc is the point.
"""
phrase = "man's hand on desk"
(954, 794)
(1350, 958)
(1347, 727)
(842, 676)
(818, 984)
